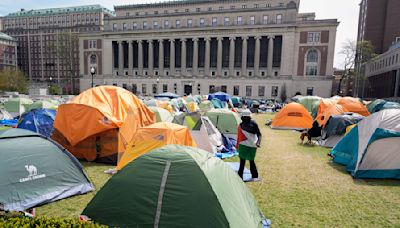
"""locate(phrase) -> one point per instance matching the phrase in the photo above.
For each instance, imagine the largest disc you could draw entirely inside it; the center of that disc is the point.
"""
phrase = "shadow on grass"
(368, 182)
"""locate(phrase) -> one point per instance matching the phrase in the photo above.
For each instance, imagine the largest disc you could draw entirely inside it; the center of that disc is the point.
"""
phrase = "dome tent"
(162, 115)
(224, 120)
(175, 186)
(371, 149)
(38, 120)
(36, 171)
(292, 116)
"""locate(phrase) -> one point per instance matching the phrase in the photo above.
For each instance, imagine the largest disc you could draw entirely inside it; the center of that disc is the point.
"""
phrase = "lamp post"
(158, 81)
(92, 72)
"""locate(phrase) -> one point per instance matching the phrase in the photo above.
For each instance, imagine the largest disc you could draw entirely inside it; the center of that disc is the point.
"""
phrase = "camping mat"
(226, 155)
(246, 172)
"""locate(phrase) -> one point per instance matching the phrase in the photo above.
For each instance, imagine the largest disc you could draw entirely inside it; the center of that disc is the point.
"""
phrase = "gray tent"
(35, 171)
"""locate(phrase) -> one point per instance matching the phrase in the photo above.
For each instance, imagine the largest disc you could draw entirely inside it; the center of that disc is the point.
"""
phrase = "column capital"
(195, 39)
(160, 40)
(245, 37)
(139, 41)
(183, 39)
(150, 41)
(119, 41)
(232, 38)
(130, 42)
(172, 40)
(271, 37)
(220, 38)
(258, 37)
(208, 39)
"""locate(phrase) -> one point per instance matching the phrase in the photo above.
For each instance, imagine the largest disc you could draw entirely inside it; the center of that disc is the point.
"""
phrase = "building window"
(125, 26)
(252, 20)
(155, 12)
(134, 88)
(166, 24)
(312, 63)
(239, 20)
(178, 23)
(197, 9)
(189, 23)
(210, 8)
(144, 25)
(165, 88)
(187, 10)
(155, 24)
(274, 91)
(93, 59)
(310, 91)
(144, 88)
(221, 8)
(314, 37)
(248, 91)
(115, 27)
(223, 88)
(92, 44)
(135, 26)
(127, 14)
(256, 6)
(261, 91)
(201, 22)
(279, 19)
(154, 88)
(236, 90)
(227, 21)
(233, 7)
(214, 21)
(265, 19)
(244, 6)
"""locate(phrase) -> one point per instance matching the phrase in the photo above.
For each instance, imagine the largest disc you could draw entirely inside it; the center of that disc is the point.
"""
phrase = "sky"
(346, 11)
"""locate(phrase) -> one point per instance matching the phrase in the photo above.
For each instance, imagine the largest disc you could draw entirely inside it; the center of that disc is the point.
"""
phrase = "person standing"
(248, 140)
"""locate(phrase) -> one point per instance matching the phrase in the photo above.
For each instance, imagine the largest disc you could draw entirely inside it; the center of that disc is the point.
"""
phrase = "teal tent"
(175, 186)
(378, 105)
(372, 148)
(35, 171)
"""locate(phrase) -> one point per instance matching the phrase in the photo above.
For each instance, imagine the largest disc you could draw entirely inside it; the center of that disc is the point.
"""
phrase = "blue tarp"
(220, 96)
(39, 121)
(9, 123)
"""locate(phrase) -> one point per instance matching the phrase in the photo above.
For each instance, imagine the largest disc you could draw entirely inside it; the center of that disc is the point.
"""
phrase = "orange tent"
(353, 105)
(328, 111)
(96, 125)
(292, 116)
(155, 136)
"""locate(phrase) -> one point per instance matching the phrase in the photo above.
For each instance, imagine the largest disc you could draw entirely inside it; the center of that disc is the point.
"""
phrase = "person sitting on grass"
(248, 139)
(313, 132)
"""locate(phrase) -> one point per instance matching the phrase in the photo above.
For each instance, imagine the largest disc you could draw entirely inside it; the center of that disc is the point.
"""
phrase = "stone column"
(172, 57)
(120, 58)
(140, 57)
(195, 67)
(232, 56)
(244, 56)
(257, 56)
(151, 58)
(219, 56)
(161, 57)
(397, 85)
(130, 57)
(183, 57)
(207, 57)
(270, 54)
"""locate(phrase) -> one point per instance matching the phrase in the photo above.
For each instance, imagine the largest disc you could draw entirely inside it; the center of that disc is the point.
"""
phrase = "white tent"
(206, 135)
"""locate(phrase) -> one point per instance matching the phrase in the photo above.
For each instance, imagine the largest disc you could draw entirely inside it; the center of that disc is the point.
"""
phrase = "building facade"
(8, 52)
(378, 23)
(48, 42)
(258, 49)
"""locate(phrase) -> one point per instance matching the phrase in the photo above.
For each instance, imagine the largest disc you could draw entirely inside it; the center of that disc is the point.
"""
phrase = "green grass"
(300, 187)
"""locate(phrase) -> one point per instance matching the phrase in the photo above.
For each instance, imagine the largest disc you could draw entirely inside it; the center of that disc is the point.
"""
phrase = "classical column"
(140, 57)
(219, 56)
(232, 56)
(270, 54)
(130, 57)
(120, 58)
(244, 56)
(151, 58)
(161, 57)
(257, 56)
(207, 57)
(195, 56)
(183, 56)
(172, 57)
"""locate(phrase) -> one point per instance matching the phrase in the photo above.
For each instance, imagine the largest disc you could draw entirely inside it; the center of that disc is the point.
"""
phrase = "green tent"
(175, 186)
(40, 104)
(187, 119)
(311, 103)
(17, 106)
(162, 115)
(36, 171)
(225, 120)
(206, 106)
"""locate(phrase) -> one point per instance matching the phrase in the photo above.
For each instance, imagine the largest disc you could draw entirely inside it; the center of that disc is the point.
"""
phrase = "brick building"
(8, 52)
(48, 44)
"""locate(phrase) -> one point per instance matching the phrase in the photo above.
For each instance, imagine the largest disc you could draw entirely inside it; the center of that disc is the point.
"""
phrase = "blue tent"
(220, 96)
(39, 121)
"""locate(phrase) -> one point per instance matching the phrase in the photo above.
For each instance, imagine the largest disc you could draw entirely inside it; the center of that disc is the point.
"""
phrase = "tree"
(349, 50)
(365, 53)
(13, 80)
(66, 48)
(283, 95)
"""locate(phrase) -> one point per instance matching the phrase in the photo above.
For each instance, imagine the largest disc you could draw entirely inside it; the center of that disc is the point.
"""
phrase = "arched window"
(312, 63)
(93, 59)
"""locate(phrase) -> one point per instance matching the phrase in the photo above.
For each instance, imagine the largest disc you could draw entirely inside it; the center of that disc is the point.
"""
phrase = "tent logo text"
(33, 174)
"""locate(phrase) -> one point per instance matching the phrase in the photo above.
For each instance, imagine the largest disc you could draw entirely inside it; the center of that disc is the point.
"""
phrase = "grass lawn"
(300, 187)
